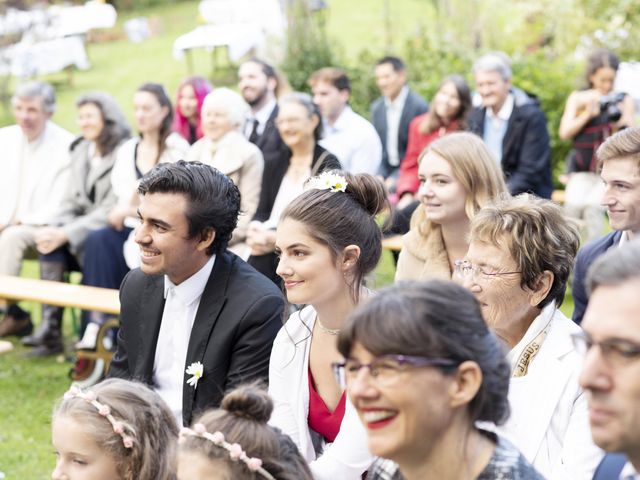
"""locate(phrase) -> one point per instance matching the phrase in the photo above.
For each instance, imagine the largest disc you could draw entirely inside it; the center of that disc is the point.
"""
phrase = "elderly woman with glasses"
(421, 382)
(520, 255)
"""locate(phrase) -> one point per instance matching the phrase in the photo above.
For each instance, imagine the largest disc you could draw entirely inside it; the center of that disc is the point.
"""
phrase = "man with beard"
(258, 83)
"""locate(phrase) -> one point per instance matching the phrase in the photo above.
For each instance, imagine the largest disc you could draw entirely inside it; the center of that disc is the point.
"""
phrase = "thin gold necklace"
(328, 331)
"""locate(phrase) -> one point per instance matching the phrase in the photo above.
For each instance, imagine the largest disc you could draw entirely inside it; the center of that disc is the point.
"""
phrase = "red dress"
(408, 176)
(321, 419)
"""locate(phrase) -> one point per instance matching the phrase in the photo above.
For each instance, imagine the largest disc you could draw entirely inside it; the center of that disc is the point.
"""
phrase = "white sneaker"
(89, 338)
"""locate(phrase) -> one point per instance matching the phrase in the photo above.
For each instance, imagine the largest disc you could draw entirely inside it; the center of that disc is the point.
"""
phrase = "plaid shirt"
(383, 469)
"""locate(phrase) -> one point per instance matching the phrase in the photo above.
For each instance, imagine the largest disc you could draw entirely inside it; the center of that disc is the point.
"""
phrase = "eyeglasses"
(615, 351)
(464, 269)
(385, 370)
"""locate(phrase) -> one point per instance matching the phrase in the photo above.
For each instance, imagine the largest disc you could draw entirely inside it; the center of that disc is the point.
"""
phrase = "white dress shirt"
(629, 472)
(261, 116)
(179, 313)
(495, 127)
(394, 112)
(354, 141)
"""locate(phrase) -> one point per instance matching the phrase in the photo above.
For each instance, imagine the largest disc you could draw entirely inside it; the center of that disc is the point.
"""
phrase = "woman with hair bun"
(234, 442)
(328, 241)
(421, 368)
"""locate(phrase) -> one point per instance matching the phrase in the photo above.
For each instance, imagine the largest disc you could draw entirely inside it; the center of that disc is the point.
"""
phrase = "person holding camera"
(590, 117)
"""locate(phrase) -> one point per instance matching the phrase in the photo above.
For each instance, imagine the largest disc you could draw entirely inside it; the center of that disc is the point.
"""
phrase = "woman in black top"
(300, 127)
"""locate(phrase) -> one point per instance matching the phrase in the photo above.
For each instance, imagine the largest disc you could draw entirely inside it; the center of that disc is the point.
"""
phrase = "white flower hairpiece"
(196, 370)
(328, 181)
(235, 450)
(90, 397)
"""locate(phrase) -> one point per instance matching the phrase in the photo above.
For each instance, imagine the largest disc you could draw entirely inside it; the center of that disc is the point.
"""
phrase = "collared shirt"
(354, 141)
(179, 313)
(624, 238)
(495, 127)
(540, 323)
(629, 472)
(394, 112)
(261, 116)
(28, 179)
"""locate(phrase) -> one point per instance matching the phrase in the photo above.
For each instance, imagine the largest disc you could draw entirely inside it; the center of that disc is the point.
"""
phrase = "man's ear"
(344, 95)
(206, 239)
(543, 284)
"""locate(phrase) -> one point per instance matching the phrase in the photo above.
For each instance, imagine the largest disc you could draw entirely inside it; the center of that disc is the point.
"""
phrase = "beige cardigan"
(242, 162)
(422, 257)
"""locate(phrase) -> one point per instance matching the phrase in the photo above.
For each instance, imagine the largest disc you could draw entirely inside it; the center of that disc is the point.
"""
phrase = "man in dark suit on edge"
(195, 319)
(619, 166)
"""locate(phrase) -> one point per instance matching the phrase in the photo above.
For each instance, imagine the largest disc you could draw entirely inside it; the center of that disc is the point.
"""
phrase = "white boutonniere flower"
(196, 370)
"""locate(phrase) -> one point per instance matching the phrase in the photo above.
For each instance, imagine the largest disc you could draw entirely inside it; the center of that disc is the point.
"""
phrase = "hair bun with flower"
(236, 453)
(331, 181)
(125, 431)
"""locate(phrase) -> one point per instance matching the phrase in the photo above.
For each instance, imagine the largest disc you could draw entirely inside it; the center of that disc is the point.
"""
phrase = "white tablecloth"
(238, 37)
(28, 59)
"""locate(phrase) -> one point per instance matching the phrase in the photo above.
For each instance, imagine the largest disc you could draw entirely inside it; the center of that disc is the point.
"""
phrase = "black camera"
(609, 105)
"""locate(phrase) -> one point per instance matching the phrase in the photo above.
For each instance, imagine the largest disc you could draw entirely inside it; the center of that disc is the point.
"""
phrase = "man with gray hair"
(513, 127)
(34, 176)
(610, 343)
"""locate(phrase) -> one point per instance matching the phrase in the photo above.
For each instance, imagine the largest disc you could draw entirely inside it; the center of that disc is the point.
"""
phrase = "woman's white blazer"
(348, 456)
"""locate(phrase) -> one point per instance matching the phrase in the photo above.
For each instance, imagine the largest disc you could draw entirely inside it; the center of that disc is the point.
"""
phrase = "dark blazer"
(270, 143)
(415, 105)
(275, 171)
(239, 315)
(526, 149)
(271, 180)
(584, 259)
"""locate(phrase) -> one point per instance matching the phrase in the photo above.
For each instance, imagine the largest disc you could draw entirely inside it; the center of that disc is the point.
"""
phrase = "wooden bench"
(558, 196)
(393, 243)
(61, 294)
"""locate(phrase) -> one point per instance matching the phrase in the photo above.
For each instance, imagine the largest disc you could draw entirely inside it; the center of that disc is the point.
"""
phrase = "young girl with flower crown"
(117, 430)
(328, 241)
(234, 442)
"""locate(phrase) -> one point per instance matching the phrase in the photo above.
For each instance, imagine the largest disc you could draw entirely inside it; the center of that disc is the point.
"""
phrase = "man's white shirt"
(394, 112)
(180, 308)
(262, 116)
(354, 141)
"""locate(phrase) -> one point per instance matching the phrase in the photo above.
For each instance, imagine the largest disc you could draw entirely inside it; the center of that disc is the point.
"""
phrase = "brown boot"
(16, 322)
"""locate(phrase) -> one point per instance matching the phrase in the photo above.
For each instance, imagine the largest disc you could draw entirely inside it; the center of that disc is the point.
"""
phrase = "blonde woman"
(458, 175)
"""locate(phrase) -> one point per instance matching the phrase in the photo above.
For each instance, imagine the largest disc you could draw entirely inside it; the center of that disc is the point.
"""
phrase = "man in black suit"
(619, 165)
(392, 113)
(258, 83)
(611, 347)
(513, 127)
(195, 319)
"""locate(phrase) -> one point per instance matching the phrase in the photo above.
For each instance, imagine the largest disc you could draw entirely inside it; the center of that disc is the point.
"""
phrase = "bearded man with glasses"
(611, 371)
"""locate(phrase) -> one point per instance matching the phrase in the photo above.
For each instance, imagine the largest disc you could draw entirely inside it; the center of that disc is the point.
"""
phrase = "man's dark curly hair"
(214, 200)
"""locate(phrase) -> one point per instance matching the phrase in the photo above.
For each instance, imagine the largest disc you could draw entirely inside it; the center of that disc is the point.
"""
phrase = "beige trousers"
(16, 241)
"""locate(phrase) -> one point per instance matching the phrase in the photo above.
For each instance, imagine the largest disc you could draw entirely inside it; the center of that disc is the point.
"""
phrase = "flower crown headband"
(327, 181)
(235, 450)
(104, 410)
